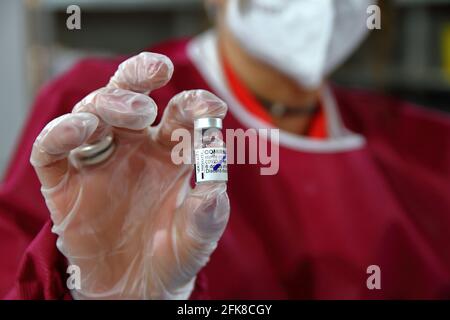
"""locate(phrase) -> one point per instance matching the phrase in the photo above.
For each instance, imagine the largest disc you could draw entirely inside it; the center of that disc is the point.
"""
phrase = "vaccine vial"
(210, 152)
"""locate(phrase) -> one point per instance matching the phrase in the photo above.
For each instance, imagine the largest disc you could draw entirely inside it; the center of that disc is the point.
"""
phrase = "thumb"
(200, 224)
(184, 108)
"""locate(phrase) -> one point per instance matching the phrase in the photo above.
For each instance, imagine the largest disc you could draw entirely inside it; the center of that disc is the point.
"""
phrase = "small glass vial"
(210, 152)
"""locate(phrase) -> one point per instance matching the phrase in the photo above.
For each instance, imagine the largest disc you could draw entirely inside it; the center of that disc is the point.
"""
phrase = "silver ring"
(97, 152)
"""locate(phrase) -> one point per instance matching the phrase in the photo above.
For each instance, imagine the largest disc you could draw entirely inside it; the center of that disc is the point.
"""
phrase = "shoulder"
(412, 133)
(373, 109)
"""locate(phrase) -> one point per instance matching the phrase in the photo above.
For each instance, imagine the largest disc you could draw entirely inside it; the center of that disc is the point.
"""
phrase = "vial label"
(211, 164)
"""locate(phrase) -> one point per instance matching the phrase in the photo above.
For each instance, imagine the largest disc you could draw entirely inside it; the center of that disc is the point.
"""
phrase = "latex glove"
(132, 223)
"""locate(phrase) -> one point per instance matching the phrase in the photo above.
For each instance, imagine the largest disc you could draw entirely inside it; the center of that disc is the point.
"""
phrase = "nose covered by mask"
(304, 39)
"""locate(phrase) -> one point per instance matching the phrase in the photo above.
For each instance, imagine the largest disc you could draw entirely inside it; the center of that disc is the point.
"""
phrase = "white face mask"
(304, 39)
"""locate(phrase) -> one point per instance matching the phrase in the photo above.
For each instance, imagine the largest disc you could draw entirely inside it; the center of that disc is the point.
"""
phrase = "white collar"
(202, 50)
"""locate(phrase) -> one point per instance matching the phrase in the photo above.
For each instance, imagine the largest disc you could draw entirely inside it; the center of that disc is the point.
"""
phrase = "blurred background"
(409, 57)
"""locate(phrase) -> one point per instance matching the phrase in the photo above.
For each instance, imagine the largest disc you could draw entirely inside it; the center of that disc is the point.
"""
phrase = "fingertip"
(143, 73)
(207, 199)
(198, 103)
(88, 121)
(161, 72)
(126, 109)
(208, 211)
(67, 132)
(57, 139)
(209, 189)
(185, 107)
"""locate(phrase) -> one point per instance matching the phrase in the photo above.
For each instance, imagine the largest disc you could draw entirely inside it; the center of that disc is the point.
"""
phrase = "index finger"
(143, 73)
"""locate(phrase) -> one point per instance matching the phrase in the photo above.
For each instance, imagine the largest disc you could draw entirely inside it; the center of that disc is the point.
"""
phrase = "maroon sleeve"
(42, 271)
(32, 267)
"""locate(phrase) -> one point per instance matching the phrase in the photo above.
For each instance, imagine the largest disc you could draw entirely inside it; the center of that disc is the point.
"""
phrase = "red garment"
(310, 231)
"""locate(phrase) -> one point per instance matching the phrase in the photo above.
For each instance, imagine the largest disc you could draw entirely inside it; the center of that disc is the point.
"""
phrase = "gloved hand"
(132, 223)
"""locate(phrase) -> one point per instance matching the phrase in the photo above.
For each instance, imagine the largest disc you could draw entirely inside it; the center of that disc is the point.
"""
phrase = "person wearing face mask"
(363, 181)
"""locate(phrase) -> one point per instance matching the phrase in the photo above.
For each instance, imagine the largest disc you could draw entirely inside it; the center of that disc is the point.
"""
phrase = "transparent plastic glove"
(132, 224)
